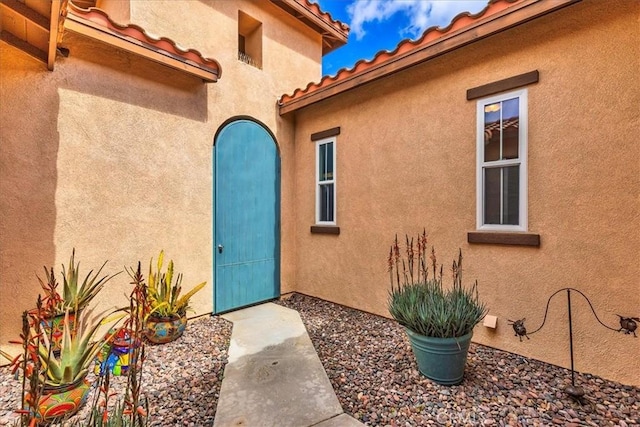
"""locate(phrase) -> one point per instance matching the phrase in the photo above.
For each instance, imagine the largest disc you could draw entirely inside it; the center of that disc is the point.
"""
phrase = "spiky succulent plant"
(75, 294)
(81, 343)
(163, 295)
(421, 303)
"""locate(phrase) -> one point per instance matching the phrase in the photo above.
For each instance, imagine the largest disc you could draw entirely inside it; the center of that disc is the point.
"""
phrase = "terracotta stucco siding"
(291, 51)
(406, 160)
(112, 153)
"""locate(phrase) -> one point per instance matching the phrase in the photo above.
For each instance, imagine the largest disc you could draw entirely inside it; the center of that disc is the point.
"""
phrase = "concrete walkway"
(274, 376)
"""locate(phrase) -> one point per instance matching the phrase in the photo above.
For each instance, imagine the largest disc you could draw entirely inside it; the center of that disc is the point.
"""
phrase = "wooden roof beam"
(24, 46)
(53, 33)
(28, 13)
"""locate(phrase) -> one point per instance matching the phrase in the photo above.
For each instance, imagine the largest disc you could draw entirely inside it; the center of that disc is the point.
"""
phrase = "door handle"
(220, 248)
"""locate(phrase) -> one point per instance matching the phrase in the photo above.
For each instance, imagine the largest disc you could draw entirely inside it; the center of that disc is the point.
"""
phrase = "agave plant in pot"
(74, 298)
(55, 386)
(167, 318)
(439, 321)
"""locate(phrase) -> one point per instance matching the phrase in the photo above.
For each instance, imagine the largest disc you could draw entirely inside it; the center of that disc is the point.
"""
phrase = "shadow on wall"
(106, 72)
(30, 142)
(28, 180)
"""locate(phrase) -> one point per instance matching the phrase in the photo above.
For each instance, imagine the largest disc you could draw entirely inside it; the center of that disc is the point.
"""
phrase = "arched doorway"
(246, 229)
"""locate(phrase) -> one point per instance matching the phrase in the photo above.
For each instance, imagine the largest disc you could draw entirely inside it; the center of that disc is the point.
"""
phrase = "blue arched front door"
(246, 215)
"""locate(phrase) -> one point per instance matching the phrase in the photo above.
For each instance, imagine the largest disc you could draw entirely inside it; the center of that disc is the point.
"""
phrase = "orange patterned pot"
(162, 330)
(63, 401)
(54, 328)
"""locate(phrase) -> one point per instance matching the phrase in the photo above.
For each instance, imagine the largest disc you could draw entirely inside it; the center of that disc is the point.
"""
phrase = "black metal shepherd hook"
(628, 325)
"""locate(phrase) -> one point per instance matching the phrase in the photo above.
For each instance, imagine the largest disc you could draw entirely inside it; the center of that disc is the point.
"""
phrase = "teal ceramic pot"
(162, 330)
(442, 360)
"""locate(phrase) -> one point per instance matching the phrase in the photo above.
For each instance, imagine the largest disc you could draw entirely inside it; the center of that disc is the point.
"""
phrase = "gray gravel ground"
(181, 379)
(369, 362)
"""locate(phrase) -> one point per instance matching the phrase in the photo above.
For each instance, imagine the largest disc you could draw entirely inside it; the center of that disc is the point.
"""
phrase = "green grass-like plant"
(419, 301)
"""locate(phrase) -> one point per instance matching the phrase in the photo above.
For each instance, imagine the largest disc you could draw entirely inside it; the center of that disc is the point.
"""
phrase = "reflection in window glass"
(501, 123)
(501, 173)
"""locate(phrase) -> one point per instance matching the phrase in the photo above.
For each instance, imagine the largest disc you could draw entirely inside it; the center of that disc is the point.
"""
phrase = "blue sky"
(381, 24)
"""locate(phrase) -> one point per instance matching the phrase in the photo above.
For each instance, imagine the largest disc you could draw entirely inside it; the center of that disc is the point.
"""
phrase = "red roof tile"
(334, 33)
(326, 16)
(431, 34)
(163, 44)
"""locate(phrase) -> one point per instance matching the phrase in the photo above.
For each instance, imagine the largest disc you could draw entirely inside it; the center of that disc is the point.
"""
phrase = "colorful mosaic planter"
(61, 402)
(54, 328)
(117, 357)
(162, 330)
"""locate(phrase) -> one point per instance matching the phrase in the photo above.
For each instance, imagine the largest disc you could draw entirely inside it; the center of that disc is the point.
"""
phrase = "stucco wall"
(406, 160)
(112, 153)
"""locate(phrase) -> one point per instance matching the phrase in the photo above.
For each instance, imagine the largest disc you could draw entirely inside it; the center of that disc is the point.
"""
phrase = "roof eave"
(333, 33)
(493, 24)
(77, 24)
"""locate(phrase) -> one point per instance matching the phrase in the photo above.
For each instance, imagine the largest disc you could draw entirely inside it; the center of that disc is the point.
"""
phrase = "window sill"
(504, 238)
(325, 229)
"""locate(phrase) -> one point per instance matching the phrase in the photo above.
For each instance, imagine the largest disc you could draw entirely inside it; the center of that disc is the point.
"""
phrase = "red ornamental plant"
(132, 409)
(31, 364)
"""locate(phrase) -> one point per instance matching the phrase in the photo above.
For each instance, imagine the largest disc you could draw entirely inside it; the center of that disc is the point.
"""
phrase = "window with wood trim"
(249, 40)
(326, 181)
(501, 177)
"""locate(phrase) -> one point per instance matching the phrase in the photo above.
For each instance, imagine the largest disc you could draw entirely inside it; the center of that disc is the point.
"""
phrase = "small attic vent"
(249, 40)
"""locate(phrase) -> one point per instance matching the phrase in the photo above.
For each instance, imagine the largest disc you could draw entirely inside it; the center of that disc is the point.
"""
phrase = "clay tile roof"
(429, 45)
(170, 53)
(334, 33)
(326, 16)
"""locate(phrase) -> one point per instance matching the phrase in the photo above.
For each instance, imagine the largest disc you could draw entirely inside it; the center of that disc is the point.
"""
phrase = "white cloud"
(419, 14)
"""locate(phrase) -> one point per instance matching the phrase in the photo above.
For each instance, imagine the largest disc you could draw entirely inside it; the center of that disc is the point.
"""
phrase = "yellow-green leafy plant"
(163, 296)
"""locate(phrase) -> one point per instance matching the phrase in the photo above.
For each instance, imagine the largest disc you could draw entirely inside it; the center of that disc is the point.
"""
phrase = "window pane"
(326, 202)
(510, 125)
(502, 195)
(325, 159)
(511, 195)
(492, 132)
(501, 123)
(329, 161)
(492, 195)
(322, 155)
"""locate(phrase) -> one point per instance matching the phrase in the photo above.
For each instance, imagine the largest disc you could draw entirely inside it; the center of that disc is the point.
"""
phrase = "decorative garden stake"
(628, 325)
(518, 327)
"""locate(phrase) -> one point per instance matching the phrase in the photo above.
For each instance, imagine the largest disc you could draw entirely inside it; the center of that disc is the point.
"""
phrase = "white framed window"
(501, 177)
(326, 181)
